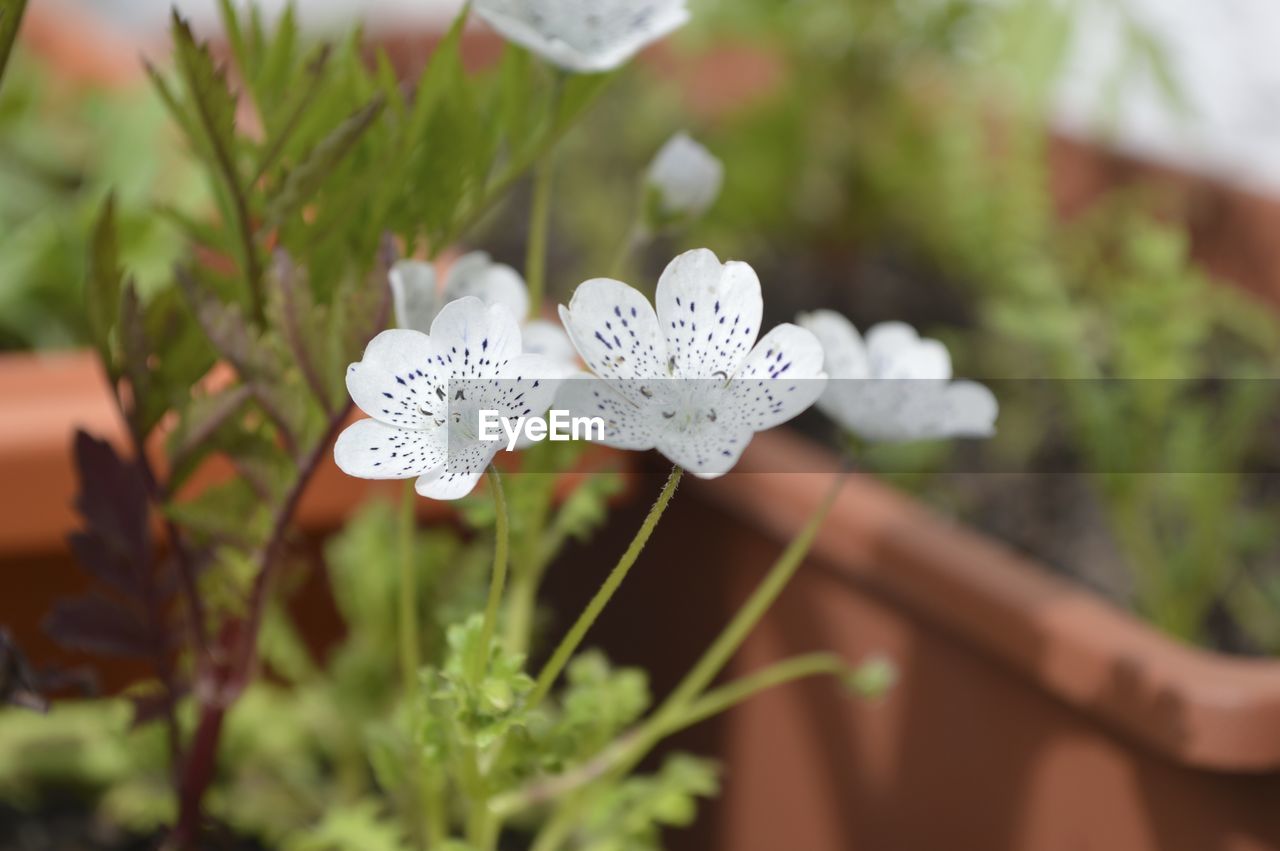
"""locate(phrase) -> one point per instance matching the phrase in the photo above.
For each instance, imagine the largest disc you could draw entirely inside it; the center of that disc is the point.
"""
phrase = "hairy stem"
(535, 263)
(728, 642)
(631, 747)
(579, 629)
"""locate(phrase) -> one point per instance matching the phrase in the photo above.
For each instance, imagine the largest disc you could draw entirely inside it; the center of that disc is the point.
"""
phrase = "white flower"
(587, 36)
(689, 379)
(424, 393)
(896, 386)
(418, 300)
(684, 179)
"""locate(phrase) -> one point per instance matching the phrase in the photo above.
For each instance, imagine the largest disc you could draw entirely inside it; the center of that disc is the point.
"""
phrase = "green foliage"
(319, 166)
(61, 153)
(630, 817)
(470, 711)
(360, 826)
(10, 20)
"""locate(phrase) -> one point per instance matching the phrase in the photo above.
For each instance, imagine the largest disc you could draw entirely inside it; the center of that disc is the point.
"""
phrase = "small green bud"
(873, 678)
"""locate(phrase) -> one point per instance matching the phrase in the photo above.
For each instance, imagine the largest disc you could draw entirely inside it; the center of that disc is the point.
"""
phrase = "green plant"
(425, 728)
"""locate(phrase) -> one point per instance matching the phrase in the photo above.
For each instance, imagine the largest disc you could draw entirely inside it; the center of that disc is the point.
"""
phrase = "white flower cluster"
(690, 375)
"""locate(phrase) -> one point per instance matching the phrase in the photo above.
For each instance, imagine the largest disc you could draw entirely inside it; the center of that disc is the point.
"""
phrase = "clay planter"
(44, 399)
(1029, 715)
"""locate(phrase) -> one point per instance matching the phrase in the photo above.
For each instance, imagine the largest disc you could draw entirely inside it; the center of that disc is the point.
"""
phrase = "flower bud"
(683, 182)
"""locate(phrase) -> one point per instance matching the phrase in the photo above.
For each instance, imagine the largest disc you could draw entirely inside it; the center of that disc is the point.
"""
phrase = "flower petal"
(896, 410)
(526, 386)
(400, 381)
(781, 378)
(413, 292)
(549, 340)
(476, 274)
(614, 329)
(708, 451)
(460, 474)
(709, 312)
(972, 410)
(686, 177)
(586, 36)
(895, 350)
(475, 340)
(368, 449)
(845, 353)
(626, 425)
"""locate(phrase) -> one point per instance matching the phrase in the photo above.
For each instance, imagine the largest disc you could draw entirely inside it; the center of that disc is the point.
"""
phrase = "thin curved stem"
(728, 642)
(631, 747)
(579, 629)
(535, 263)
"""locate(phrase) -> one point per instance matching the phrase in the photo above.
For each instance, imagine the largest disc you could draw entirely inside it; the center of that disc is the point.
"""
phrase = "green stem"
(498, 579)
(637, 236)
(576, 633)
(558, 829)
(531, 560)
(726, 697)
(409, 661)
(632, 747)
(535, 264)
(728, 642)
(477, 795)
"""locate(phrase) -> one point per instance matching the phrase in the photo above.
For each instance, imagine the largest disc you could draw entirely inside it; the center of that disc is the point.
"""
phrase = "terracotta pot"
(1029, 714)
(46, 398)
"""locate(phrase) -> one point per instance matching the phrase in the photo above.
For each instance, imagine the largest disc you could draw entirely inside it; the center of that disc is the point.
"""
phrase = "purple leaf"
(116, 545)
(98, 625)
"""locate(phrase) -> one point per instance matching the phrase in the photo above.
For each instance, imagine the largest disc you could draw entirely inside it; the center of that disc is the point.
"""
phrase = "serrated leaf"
(306, 179)
(227, 329)
(227, 513)
(213, 106)
(197, 425)
(102, 289)
(97, 625)
(113, 502)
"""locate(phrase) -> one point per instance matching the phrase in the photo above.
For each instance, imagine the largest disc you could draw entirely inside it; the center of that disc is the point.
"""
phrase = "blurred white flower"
(418, 299)
(688, 379)
(895, 386)
(586, 36)
(424, 393)
(684, 180)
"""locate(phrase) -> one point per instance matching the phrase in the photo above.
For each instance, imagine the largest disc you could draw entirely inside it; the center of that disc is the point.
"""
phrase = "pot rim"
(1196, 707)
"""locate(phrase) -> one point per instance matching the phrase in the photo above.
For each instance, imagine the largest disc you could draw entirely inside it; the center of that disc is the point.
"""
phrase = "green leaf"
(103, 288)
(227, 329)
(231, 512)
(11, 12)
(213, 113)
(358, 826)
(198, 425)
(306, 179)
(146, 407)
